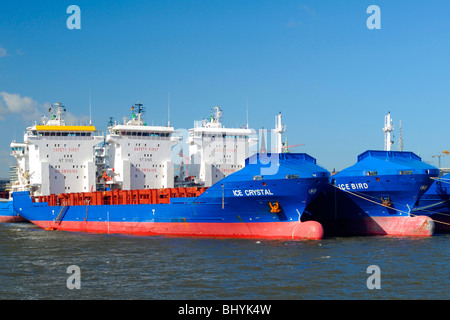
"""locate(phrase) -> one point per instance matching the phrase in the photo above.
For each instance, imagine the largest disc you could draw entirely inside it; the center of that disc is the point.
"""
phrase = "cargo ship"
(264, 199)
(130, 185)
(435, 203)
(376, 196)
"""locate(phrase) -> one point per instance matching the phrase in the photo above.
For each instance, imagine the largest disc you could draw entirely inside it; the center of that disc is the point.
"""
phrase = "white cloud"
(13, 103)
(31, 110)
(3, 52)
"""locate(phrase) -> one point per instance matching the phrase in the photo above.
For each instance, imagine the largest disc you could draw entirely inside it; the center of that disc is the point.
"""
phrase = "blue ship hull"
(375, 196)
(7, 213)
(435, 203)
(265, 199)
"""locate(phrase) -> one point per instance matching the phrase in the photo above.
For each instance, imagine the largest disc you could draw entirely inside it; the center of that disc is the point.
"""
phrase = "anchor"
(274, 207)
(386, 201)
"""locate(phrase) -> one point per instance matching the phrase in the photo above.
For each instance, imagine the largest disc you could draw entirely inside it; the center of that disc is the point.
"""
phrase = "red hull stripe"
(273, 230)
(394, 226)
(9, 219)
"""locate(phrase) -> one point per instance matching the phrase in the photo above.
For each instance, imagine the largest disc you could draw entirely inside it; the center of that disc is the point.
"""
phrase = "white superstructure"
(216, 151)
(140, 155)
(56, 158)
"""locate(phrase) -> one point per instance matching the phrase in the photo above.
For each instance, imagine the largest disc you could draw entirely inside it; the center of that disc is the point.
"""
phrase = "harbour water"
(34, 265)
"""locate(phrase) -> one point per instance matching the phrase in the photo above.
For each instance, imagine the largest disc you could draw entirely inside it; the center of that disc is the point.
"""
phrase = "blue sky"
(332, 78)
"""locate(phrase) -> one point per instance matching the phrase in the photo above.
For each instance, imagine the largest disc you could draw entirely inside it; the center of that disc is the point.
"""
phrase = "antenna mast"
(90, 109)
(246, 105)
(400, 139)
(168, 110)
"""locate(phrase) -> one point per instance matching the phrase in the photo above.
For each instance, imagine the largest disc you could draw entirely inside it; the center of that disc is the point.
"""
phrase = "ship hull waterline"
(311, 230)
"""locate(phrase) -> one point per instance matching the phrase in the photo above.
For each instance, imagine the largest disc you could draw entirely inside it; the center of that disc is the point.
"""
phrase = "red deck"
(146, 196)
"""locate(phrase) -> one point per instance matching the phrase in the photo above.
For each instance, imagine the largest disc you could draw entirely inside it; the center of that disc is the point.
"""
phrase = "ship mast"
(279, 129)
(214, 119)
(136, 114)
(56, 111)
(388, 128)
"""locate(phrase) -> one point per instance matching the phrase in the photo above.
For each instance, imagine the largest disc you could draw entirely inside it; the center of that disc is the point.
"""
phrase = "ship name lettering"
(255, 192)
(237, 193)
(353, 186)
(258, 192)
